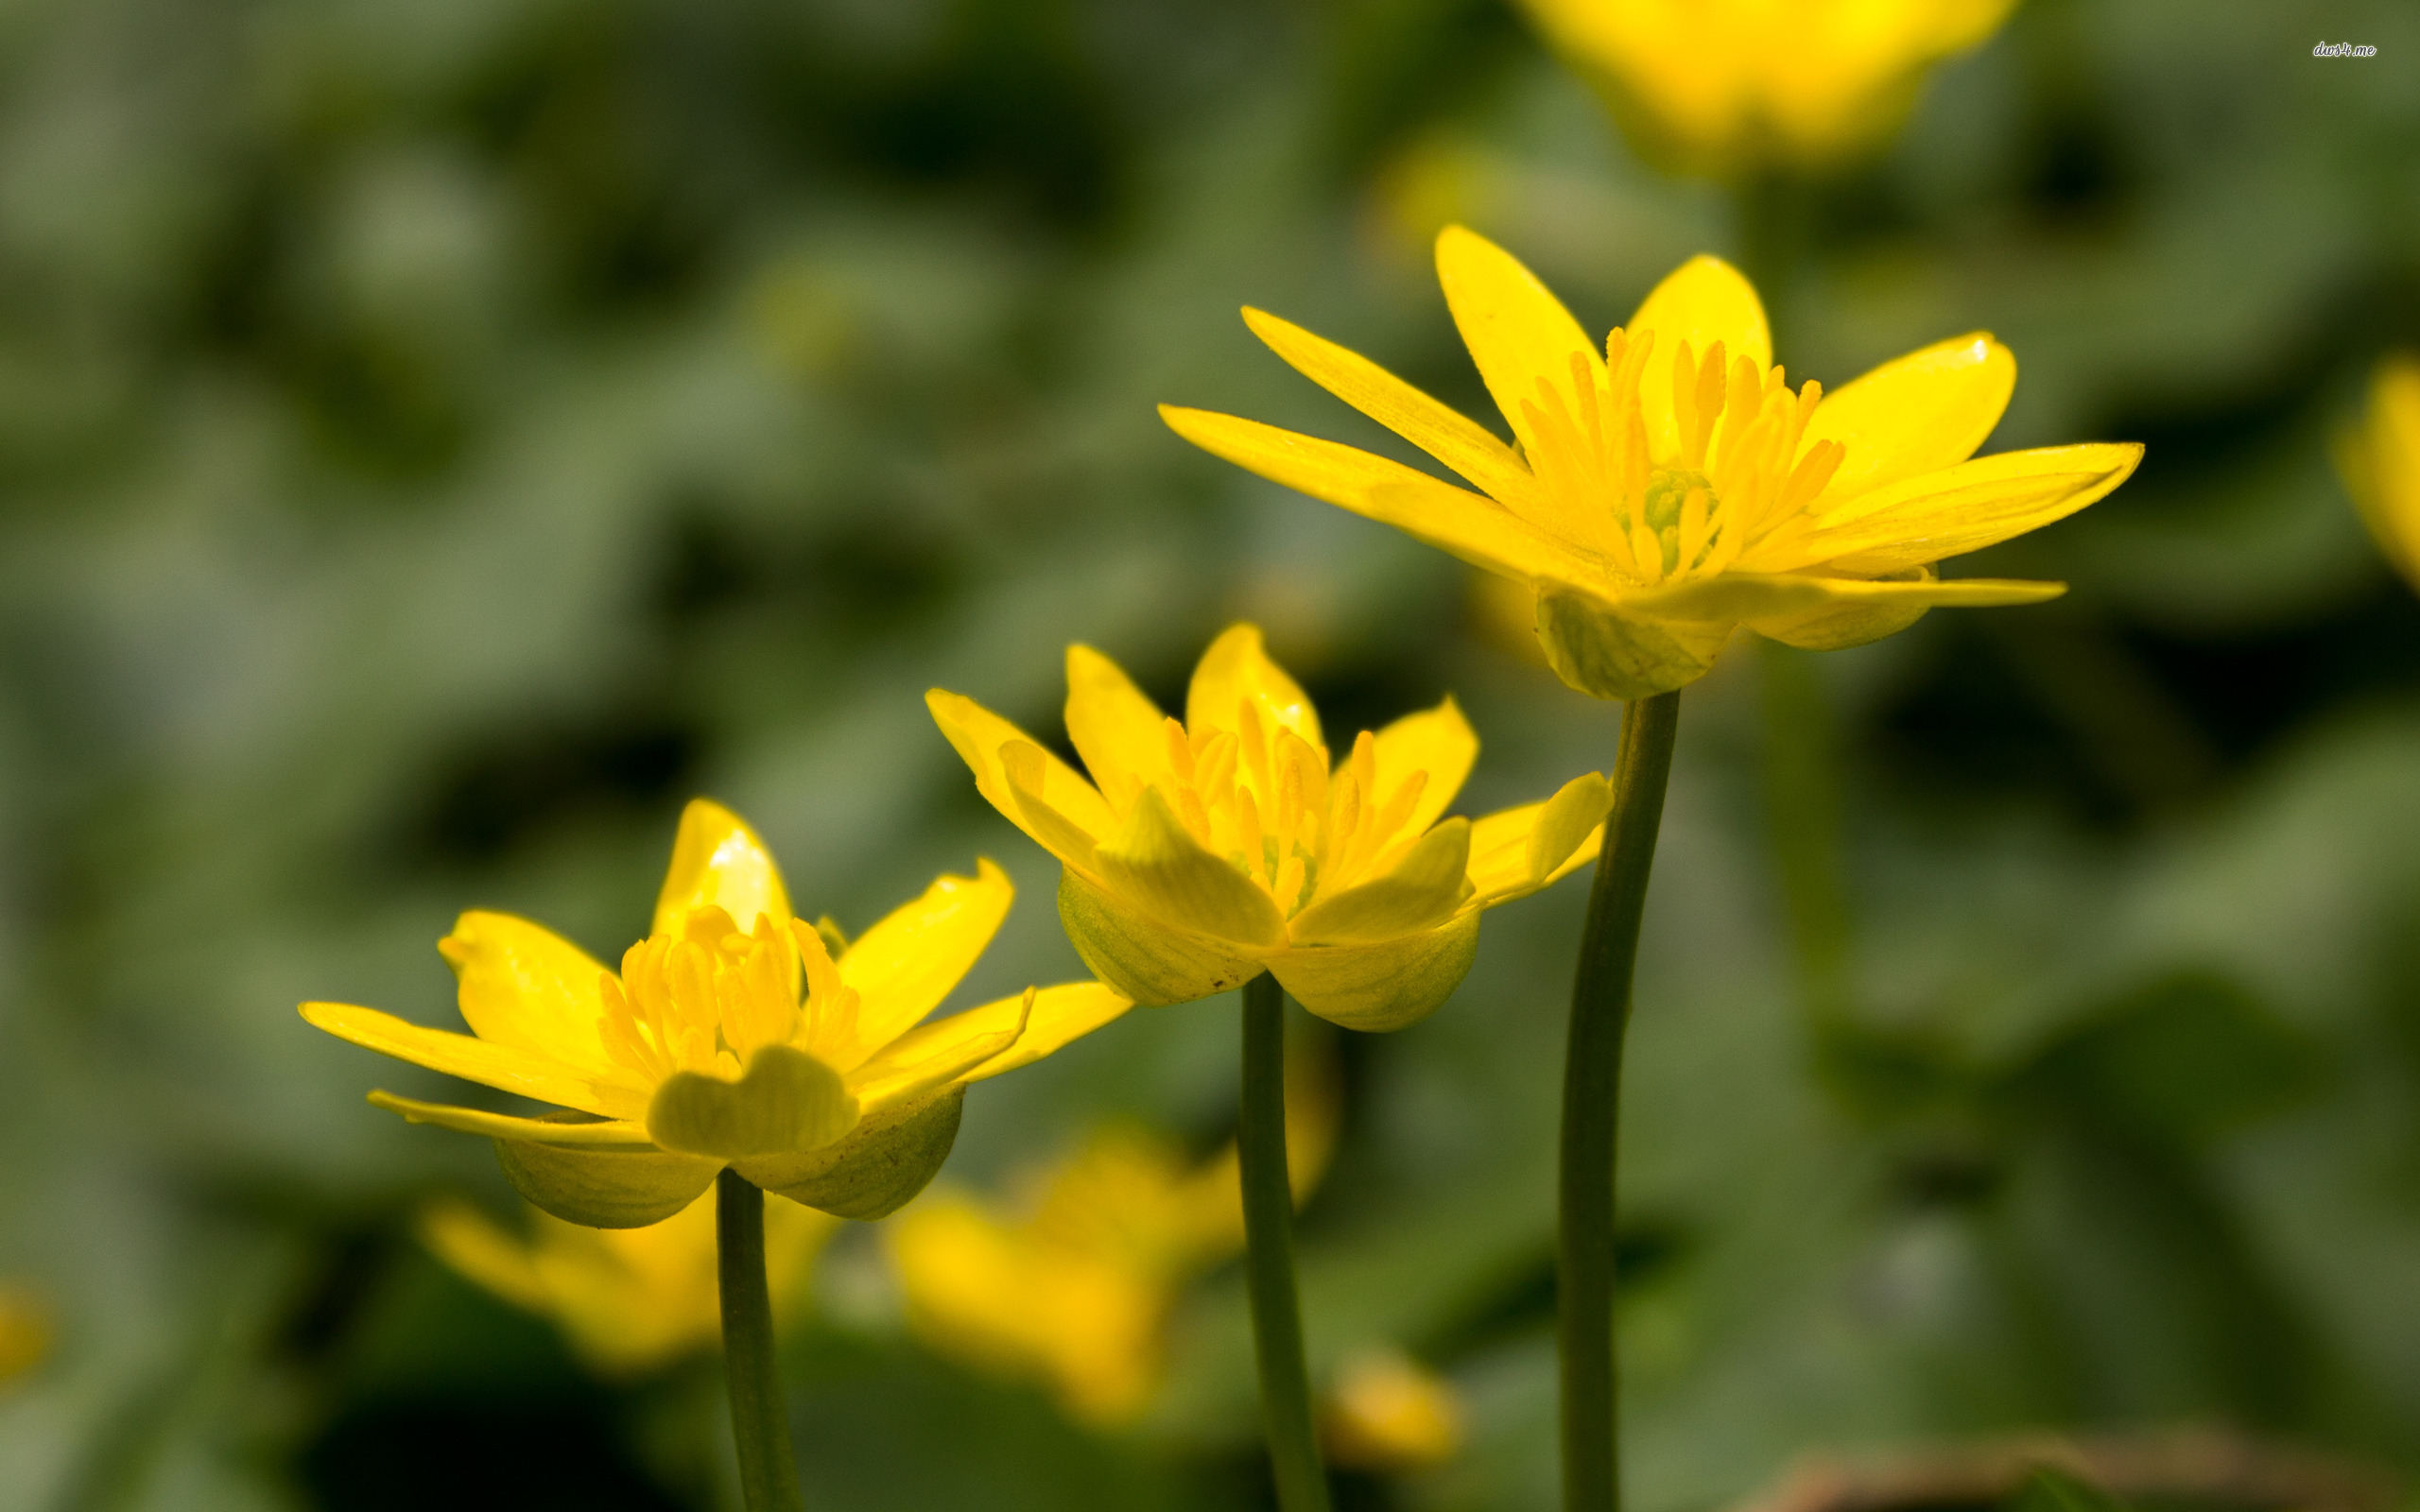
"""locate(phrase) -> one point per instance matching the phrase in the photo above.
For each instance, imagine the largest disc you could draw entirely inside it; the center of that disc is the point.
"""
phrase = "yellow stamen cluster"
(708, 997)
(1731, 486)
(1265, 798)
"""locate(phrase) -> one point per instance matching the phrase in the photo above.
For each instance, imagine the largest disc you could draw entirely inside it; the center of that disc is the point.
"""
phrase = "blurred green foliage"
(437, 438)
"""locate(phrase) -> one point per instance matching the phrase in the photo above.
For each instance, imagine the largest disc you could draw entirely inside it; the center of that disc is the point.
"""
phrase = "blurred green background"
(438, 437)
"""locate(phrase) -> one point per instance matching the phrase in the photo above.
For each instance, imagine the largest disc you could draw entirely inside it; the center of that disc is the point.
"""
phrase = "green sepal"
(1380, 988)
(601, 1187)
(889, 1157)
(787, 1100)
(1606, 654)
(1838, 626)
(1145, 960)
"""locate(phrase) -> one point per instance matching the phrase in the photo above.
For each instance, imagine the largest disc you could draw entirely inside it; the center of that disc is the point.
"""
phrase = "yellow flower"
(627, 1300)
(1671, 487)
(25, 1332)
(1388, 1412)
(1229, 844)
(1732, 84)
(703, 1052)
(2380, 461)
(1076, 1290)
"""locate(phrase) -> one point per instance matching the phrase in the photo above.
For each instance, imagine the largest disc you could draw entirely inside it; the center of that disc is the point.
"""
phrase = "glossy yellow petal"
(1438, 741)
(611, 1133)
(892, 1154)
(1386, 986)
(1121, 734)
(1459, 442)
(2381, 460)
(979, 736)
(786, 1101)
(523, 985)
(1961, 508)
(939, 1052)
(1919, 413)
(1606, 651)
(1517, 851)
(1236, 671)
(1061, 1016)
(603, 1187)
(506, 1068)
(1517, 331)
(1161, 871)
(1419, 894)
(1470, 525)
(906, 965)
(718, 859)
(1141, 957)
(1703, 301)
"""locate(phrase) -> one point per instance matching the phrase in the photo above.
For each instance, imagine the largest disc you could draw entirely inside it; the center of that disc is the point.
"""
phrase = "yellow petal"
(1154, 865)
(1919, 413)
(1612, 651)
(1517, 851)
(523, 985)
(1419, 893)
(1120, 733)
(718, 859)
(978, 735)
(902, 967)
(939, 1052)
(1961, 508)
(1140, 956)
(1461, 443)
(506, 1068)
(1439, 742)
(1517, 331)
(786, 1101)
(2381, 460)
(1386, 986)
(619, 1133)
(1061, 1016)
(892, 1154)
(1703, 301)
(1236, 671)
(1470, 525)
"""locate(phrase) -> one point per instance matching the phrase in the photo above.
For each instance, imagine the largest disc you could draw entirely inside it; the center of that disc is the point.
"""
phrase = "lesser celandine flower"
(1670, 487)
(1209, 849)
(735, 1035)
(1388, 1412)
(627, 1300)
(2380, 459)
(1725, 85)
(1076, 1289)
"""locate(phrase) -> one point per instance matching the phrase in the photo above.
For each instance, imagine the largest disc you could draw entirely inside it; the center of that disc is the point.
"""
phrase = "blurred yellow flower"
(1229, 844)
(1672, 487)
(25, 1332)
(1076, 1289)
(627, 1300)
(1389, 1413)
(2380, 459)
(1725, 85)
(702, 1052)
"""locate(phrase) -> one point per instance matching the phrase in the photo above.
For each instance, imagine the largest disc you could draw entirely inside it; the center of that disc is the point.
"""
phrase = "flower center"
(1728, 476)
(707, 997)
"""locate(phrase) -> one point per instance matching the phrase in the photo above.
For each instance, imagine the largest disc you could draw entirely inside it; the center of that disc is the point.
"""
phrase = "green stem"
(1802, 803)
(1268, 1257)
(1592, 1074)
(768, 1468)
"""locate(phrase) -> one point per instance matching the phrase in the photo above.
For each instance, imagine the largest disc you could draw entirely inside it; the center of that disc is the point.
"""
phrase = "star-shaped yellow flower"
(1670, 488)
(1732, 84)
(2381, 460)
(1208, 851)
(705, 1052)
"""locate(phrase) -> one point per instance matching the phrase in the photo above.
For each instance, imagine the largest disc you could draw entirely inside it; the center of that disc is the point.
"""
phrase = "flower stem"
(759, 1424)
(1592, 1106)
(1268, 1259)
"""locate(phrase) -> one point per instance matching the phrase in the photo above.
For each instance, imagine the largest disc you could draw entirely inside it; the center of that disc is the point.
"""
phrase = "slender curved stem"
(1269, 1258)
(1592, 1107)
(759, 1424)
